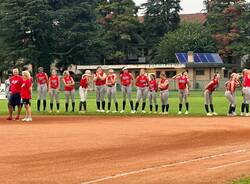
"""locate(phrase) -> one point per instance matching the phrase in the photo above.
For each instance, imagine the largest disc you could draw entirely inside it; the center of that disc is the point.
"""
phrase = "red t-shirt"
(68, 80)
(142, 81)
(213, 85)
(246, 81)
(25, 89)
(110, 78)
(16, 84)
(41, 78)
(54, 81)
(126, 79)
(84, 82)
(152, 85)
(162, 81)
(182, 82)
(100, 82)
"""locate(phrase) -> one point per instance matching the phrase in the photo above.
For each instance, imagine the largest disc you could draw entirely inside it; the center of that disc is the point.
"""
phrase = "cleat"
(179, 112)
(9, 118)
(186, 112)
(209, 114)
(122, 111)
(215, 113)
(17, 118)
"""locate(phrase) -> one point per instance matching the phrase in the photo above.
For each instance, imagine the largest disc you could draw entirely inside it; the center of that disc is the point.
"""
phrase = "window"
(158, 73)
(226, 73)
(170, 74)
(200, 72)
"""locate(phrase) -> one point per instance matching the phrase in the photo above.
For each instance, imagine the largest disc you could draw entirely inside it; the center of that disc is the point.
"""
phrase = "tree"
(223, 16)
(189, 37)
(161, 16)
(120, 29)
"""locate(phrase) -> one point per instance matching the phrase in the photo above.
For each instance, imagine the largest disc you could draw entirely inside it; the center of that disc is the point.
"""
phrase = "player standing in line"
(141, 83)
(111, 90)
(16, 82)
(83, 90)
(26, 90)
(208, 94)
(164, 87)
(183, 87)
(231, 86)
(7, 88)
(152, 94)
(42, 88)
(245, 92)
(54, 89)
(126, 79)
(100, 81)
(69, 87)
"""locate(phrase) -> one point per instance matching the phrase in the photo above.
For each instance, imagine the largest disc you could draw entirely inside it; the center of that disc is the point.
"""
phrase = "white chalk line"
(230, 164)
(161, 167)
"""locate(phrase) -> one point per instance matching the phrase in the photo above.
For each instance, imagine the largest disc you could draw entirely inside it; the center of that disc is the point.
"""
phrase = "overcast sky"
(188, 6)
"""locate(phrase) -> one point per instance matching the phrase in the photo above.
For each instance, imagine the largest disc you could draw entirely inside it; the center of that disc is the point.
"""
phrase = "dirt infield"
(124, 150)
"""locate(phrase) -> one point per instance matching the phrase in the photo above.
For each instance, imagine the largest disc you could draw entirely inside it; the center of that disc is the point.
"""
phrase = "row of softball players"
(20, 88)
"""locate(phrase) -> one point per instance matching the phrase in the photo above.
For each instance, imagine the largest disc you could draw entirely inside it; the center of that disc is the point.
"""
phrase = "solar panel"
(200, 58)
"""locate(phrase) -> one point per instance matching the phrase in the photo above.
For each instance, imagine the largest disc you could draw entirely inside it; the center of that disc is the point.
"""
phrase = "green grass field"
(243, 181)
(196, 101)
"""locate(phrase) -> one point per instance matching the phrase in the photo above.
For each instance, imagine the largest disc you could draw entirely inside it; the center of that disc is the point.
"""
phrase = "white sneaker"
(234, 114)
(179, 112)
(215, 113)
(247, 114)
(98, 110)
(50, 111)
(24, 119)
(209, 114)
(166, 113)
(114, 111)
(107, 111)
(155, 112)
(143, 112)
(133, 112)
(57, 111)
(242, 114)
(122, 111)
(150, 112)
(28, 119)
(102, 111)
(186, 112)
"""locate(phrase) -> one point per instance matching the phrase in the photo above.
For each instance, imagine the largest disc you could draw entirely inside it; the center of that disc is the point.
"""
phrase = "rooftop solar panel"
(200, 58)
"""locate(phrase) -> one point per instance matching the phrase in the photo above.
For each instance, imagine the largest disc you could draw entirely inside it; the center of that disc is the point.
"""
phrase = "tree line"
(42, 32)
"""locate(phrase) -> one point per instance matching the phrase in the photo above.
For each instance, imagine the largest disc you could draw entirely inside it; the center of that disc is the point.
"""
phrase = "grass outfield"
(196, 101)
(243, 181)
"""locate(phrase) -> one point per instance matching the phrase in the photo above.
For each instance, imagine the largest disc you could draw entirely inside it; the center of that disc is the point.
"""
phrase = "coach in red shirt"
(15, 98)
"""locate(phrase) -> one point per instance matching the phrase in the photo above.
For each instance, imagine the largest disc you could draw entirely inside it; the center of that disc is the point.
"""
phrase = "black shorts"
(26, 101)
(15, 100)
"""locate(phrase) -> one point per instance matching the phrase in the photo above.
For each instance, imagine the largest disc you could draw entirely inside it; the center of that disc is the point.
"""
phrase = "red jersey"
(152, 86)
(110, 80)
(84, 82)
(68, 80)
(213, 85)
(163, 81)
(142, 81)
(54, 81)
(100, 82)
(42, 78)
(126, 79)
(182, 82)
(26, 89)
(16, 84)
(246, 81)
(231, 86)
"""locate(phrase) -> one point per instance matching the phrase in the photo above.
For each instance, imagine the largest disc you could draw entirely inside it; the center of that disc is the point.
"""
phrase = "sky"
(188, 6)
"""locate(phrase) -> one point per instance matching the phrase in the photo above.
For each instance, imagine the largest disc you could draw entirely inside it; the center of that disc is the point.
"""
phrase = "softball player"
(100, 81)
(54, 89)
(111, 89)
(152, 94)
(164, 87)
(42, 88)
(126, 79)
(7, 88)
(183, 82)
(230, 93)
(208, 94)
(142, 89)
(245, 92)
(16, 82)
(26, 90)
(83, 90)
(69, 87)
